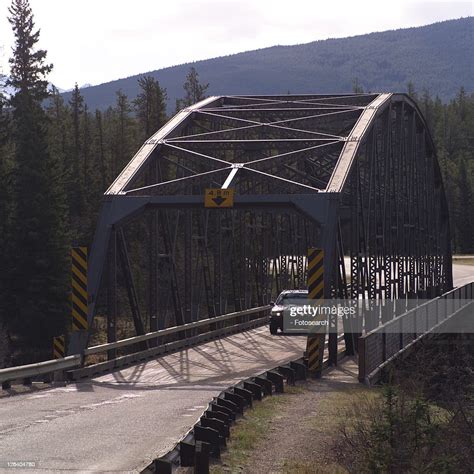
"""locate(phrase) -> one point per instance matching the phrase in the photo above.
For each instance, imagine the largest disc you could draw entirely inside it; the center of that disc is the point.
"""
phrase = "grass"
(250, 428)
(333, 412)
(335, 409)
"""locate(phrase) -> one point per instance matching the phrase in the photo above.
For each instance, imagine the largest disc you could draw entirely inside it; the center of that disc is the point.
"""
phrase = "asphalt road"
(120, 422)
(462, 274)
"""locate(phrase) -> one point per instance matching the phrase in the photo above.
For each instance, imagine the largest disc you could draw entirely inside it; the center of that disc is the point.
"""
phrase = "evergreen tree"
(356, 86)
(5, 226)
(124, 139)
(38, 280)
(466, 216)
(411, 90)
(150, 106)
(195, 91)
(100, 156)
(86, 151)
(59, 126)
(74, 167)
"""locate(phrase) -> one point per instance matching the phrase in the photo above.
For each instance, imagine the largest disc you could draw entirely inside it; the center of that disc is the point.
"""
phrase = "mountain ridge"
(436, 57)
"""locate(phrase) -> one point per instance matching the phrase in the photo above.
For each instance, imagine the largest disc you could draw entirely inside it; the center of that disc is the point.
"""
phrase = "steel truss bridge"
(354, 174)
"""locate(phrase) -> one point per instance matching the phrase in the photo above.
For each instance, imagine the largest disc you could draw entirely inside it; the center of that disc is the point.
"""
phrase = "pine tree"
(195, 91)
(38, 283)
(466, 206)
(5, 227)
(74, 167)
(124, 140)
(59, 126)
(356, 86)
(411, 90)
(86, 151)
(100, 156)
(150, 105)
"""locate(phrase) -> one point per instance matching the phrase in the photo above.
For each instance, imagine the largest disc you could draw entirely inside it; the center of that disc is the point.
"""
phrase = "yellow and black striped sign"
(315, 274)
(59, 347)
(314, 351)
(79, 288)
(315, 342)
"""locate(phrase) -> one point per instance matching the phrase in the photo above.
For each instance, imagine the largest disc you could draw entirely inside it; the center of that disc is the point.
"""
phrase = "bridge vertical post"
(153, 176)
(188, 265)
(122, 254)
(330, 237)
(152, 273)
(112, 293)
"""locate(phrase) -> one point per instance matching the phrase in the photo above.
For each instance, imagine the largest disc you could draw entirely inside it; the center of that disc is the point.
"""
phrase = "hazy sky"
(95, 41)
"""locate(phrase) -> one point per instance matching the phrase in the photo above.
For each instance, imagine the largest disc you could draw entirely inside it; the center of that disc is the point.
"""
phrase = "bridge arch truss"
(355, 174)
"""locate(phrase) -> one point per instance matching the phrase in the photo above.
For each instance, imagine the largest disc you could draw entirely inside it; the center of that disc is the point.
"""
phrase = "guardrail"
(165, 348)
(173, 330)
(74, 363)
(26, 372)
(381, 346)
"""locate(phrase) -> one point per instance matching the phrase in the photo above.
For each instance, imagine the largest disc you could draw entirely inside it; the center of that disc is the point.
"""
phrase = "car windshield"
(287, 298)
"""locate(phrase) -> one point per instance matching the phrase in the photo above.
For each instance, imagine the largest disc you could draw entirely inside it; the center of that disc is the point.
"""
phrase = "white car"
(285, 299)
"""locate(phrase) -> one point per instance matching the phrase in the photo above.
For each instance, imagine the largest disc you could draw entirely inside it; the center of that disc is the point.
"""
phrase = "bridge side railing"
(26, 372)
(176, 330)
(382, 345)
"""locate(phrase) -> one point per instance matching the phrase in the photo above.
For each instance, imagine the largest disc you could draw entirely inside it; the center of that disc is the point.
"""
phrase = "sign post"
(79, 288)
(59, 347)
(315, 342)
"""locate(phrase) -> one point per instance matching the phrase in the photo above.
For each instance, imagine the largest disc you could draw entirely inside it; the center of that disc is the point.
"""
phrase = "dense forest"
(436, 57)
(58, 156)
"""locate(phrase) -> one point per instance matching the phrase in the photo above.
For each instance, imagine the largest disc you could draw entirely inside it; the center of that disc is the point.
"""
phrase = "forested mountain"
(436, 57)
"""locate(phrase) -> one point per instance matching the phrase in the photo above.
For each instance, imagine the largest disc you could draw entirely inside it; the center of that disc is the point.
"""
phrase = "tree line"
(57, 158)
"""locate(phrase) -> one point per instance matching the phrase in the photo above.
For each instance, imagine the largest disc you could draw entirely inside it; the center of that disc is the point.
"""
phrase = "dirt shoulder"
(295, 432)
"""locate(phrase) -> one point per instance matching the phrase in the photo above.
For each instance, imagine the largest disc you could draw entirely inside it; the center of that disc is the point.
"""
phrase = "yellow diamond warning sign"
(216, 197)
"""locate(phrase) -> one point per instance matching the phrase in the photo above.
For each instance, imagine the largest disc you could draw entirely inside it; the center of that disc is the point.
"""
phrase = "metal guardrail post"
(201, 459)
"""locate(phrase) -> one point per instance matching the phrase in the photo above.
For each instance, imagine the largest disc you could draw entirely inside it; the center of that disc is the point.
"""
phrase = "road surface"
(119, 422)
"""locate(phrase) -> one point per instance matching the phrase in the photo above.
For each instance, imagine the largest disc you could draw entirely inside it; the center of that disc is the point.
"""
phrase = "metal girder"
(355, 174)
(145, 152)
